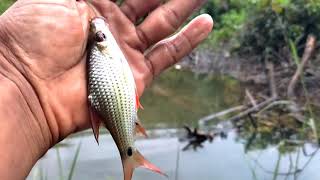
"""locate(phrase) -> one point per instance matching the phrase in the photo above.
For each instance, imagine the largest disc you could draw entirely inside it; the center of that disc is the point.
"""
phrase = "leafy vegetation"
(273, 25)
(263, 28)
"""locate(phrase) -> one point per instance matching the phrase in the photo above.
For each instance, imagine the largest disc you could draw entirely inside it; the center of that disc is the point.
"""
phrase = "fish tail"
(137, 160)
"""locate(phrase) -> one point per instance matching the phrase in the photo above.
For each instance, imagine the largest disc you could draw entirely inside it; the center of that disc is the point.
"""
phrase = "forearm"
(23, 139)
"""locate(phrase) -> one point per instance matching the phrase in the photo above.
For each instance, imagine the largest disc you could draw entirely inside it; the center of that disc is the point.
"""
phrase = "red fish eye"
(100, 36)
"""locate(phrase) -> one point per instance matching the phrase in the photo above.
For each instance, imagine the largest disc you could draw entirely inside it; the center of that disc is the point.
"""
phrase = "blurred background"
(244, 105)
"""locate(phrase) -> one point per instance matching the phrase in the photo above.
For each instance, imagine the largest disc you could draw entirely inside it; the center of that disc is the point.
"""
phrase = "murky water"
(179, 98)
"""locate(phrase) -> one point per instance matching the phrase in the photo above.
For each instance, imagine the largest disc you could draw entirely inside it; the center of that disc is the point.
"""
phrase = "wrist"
(24, 134)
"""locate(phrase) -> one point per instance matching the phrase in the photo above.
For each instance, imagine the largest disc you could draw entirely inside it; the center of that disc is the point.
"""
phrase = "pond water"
(175, 99)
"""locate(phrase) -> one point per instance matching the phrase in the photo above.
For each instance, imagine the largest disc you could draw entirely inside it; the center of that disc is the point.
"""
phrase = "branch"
(311, 41)
(205, 119)
(252, 109)
(272, 82)
(252, 100)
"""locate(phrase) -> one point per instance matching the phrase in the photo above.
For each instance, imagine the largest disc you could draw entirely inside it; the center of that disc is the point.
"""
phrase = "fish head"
(100, 32)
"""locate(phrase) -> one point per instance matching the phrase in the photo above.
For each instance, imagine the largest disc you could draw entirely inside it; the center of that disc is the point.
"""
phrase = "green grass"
(4, 5)
(74, 162)
(41, 173)
(276, 170)
(59, 164)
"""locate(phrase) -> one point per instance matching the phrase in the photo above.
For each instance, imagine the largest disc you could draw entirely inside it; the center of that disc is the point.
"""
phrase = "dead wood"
(272, 83)
(205, 119)
(253, 109)
(310, 46)
(251, 98)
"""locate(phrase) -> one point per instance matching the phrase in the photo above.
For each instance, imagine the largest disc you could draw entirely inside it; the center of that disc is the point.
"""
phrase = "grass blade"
(294, 53)
(42, 174)
(252, 169)
(276, 170)
(61, 177)
(314, 128)
(297, 165)
(74, 162)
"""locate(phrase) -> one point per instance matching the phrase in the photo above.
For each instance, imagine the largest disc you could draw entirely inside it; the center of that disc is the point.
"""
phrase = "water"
(179, 98)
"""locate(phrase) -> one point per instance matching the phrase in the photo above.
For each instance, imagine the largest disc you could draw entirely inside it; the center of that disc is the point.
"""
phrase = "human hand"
(44, 44)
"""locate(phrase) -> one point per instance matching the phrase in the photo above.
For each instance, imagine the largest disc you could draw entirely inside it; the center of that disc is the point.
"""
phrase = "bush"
(274, 23)
(228, 16)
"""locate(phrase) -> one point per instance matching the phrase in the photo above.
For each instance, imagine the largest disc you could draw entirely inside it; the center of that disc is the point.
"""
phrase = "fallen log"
(210, 117)
(252, 100)
(253, 109)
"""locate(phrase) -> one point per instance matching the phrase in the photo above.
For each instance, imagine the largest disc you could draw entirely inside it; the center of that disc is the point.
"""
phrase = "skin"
(43, 65)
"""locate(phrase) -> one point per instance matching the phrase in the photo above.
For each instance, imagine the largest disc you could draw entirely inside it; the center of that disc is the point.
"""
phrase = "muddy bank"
(254, 73)
(206, 61)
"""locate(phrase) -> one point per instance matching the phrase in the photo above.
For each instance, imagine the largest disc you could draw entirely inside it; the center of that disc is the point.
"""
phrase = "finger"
(135, 9)
(85, 13)
(171, 50)
(165, 20)
(119, 23)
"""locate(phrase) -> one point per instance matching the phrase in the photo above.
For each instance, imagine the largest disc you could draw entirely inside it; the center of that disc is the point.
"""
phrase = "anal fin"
(140, 129)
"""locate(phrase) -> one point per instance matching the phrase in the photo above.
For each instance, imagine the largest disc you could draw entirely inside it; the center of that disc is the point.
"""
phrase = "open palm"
(43, 46)
(48, 40)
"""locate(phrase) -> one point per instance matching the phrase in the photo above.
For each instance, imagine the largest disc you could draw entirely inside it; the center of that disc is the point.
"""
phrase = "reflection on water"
(223, 159)
(177, 98)
(276, 150)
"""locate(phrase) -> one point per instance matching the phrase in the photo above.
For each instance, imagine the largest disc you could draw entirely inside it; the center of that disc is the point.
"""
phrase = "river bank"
(254, 74)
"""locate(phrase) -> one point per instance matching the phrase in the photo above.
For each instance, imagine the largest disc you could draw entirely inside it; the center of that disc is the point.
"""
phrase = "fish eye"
(100, 36)
(129, 151)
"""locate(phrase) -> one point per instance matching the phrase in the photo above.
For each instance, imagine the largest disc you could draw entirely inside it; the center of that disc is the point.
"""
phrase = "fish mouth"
(98, 28)
(98, 18)
(97, 24)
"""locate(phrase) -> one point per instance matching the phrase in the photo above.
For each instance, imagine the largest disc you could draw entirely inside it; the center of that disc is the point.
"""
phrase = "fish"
(112, 97)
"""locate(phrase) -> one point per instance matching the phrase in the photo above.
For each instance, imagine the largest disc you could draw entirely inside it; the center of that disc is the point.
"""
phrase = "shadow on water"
(277, 149)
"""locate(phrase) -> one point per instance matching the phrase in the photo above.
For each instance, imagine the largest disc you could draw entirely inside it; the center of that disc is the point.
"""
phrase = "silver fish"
(113, 96)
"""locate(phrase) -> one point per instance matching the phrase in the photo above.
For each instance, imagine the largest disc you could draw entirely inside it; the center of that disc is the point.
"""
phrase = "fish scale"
(111, 97)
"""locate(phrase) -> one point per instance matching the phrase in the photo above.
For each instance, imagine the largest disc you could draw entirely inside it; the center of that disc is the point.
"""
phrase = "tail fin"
(137, 160)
